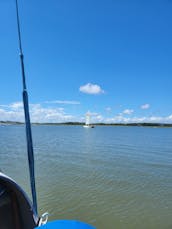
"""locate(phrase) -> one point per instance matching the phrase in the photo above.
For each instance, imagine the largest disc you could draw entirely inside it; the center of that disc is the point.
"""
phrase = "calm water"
(111, 177)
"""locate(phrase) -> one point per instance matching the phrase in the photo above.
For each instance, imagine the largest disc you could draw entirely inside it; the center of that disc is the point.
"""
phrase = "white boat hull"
(88, 126)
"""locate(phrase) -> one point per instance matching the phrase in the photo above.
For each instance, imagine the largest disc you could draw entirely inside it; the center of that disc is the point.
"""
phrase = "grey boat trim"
(16, 210)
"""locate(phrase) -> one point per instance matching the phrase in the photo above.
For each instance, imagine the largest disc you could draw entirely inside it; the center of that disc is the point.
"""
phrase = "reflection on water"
(111, 177)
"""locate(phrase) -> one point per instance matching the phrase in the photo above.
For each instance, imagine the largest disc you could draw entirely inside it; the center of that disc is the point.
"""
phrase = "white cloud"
(93, 89)
(11, 115)
(98, 118)
(170, 117)
(152, 119)
(40, 113)
(108, 109)
(92, 113)
(17, 105)
(145, 106)
(13, 106)
(94, 117)
(64, 102)
(128, 111)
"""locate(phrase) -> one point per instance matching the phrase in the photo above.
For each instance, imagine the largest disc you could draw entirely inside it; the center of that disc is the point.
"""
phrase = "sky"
(109, 58)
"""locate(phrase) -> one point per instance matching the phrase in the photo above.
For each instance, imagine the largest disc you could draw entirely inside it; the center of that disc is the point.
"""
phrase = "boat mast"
(27, 118)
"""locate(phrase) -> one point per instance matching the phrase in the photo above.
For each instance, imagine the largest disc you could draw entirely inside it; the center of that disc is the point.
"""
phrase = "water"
(111, 177)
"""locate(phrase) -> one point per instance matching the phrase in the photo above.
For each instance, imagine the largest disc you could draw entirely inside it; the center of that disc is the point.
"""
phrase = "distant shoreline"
(95, 124)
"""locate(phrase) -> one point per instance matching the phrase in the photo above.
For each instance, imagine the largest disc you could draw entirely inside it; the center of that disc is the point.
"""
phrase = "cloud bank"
(41, 114)
(38, 113)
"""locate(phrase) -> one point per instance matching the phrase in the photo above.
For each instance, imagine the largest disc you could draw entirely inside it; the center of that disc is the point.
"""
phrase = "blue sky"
(109, 58)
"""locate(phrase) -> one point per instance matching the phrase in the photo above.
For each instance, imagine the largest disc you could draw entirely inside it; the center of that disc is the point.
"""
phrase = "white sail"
(87, 119)
(87, 122)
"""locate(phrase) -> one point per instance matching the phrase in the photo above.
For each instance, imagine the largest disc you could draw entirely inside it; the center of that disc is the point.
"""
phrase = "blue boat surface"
(66, 224)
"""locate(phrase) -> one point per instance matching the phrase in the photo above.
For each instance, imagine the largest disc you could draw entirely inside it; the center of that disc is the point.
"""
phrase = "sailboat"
(87, 122)
(17, 211)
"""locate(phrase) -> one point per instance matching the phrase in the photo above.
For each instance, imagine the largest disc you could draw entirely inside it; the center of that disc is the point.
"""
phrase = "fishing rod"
(27, 118)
